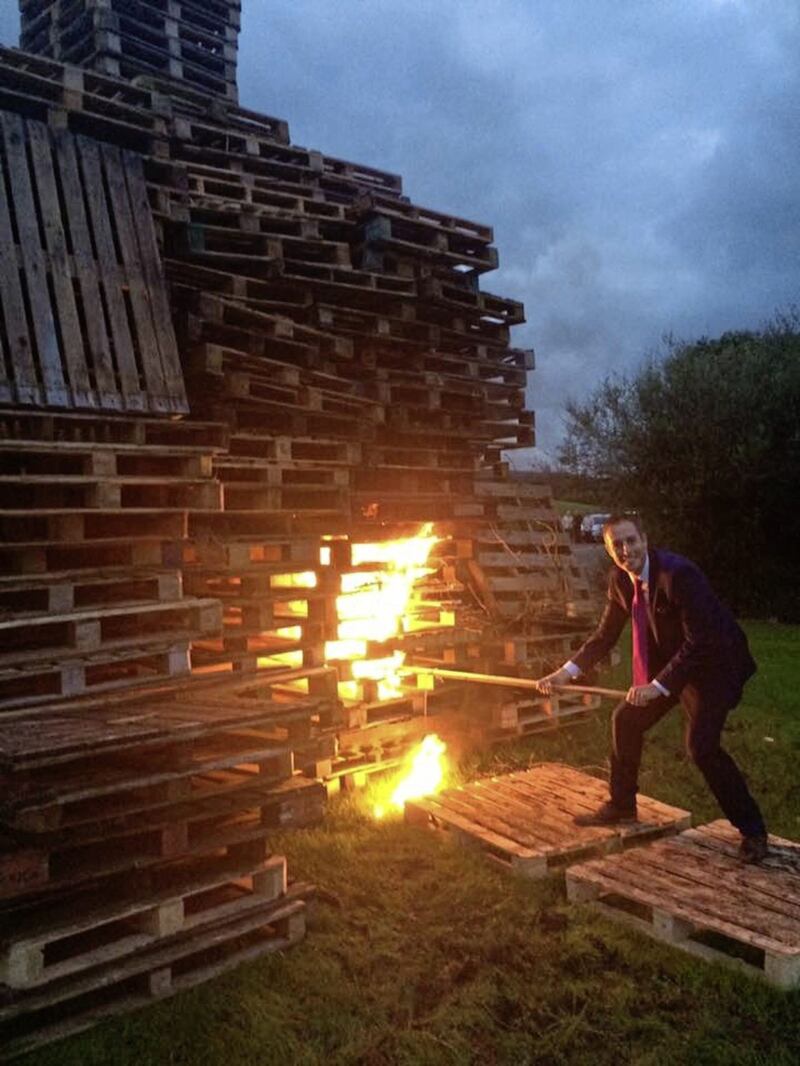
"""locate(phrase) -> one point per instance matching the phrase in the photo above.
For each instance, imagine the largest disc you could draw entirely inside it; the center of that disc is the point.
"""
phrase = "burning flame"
(424, 777)
(373, 608)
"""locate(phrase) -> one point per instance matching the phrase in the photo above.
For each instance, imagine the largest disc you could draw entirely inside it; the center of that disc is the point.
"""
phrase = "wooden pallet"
(127, 57)
(91, 789)
(130, 364)
(692, 892)
(81, 101)
(61, 591)
(525, 821)
(266, 554)
(114, 432)
(29, 639)
(43, 942)
(512, 719)
(98, 672)
(41, 558)
(80, 492)
(57, 862)
(65, 1008)
(57, 735)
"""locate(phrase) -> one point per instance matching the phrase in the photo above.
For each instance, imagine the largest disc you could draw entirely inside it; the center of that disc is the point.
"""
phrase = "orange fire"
(373, 607)
(424, 776)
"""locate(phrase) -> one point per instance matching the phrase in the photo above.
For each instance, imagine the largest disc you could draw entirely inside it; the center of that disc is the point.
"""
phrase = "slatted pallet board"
(84, 303)
(525, 821)
(512, 719)
(58, 735)
(45, 941)
(79, 633)
(119, 433)
(692, 892)
(65, 1008)
(94, 788)
(55, 862)
(98, 672)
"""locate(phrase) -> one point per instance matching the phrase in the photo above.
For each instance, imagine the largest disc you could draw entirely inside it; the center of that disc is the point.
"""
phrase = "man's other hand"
(558, 677)
(641, 695)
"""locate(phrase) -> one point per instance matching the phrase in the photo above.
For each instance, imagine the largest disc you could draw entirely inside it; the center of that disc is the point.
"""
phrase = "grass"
(424, 954)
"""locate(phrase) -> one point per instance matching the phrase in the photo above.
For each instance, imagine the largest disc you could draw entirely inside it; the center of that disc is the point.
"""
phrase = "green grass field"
(423, 954)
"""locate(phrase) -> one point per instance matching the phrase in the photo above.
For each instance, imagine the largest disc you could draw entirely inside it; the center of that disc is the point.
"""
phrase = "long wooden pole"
(511, 682)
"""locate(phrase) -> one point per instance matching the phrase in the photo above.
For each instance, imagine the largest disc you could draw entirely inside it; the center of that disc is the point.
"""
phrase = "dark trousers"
(704, 724)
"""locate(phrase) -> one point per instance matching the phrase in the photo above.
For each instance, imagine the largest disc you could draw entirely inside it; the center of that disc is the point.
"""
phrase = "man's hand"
(641, 695)
(558, 677)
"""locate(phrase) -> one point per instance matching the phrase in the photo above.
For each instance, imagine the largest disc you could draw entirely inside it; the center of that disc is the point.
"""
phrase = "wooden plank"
(44, 327)
(72, 344)
(86, 267)
(175, 391)
(125, 228)
(22, 385)
(111, 276)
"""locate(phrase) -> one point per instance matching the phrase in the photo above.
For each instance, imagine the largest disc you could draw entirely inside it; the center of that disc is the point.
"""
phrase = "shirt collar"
(644, 577)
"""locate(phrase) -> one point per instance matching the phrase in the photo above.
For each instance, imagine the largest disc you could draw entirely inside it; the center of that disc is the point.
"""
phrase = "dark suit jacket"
(695, 648)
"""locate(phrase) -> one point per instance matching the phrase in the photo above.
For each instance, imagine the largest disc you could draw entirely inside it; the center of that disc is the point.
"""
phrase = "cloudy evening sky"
(638, 159)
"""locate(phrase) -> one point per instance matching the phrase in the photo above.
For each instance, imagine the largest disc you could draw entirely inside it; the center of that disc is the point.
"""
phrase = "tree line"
(704, 442)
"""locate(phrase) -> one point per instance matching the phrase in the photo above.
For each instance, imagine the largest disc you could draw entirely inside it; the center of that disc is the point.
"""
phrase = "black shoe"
(753, 848)
(608, 814)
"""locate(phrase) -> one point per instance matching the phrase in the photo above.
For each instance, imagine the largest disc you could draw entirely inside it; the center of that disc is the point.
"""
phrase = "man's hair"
(615, 519)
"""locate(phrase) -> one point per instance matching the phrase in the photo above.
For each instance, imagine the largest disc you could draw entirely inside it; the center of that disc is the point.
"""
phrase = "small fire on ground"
(424, 776)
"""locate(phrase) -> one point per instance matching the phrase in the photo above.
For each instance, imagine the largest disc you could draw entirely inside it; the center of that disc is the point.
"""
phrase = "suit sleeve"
(611, 624)
(697, 605)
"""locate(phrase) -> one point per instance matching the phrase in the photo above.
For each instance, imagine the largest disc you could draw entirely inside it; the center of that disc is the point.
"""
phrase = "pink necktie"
(639, 624)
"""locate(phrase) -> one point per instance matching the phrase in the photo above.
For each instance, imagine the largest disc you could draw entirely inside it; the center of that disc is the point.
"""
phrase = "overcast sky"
(638, 159)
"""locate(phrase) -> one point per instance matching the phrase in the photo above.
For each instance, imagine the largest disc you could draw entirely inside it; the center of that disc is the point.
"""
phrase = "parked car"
(592, 526)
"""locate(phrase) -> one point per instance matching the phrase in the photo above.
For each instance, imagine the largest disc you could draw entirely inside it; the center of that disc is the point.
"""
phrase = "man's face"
(626, 546)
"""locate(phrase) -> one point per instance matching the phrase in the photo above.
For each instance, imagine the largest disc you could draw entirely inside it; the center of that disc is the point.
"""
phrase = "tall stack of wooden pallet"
(194, 41)
(93, 519)
(340, 334)
(233, 369)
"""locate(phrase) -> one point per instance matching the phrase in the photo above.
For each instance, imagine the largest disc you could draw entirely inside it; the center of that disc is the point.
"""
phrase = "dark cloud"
(637, 158)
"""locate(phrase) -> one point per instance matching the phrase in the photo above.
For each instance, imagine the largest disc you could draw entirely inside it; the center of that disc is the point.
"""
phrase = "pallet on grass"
(44, 941)
(524, 821)
(693, 892)
(65, 1008)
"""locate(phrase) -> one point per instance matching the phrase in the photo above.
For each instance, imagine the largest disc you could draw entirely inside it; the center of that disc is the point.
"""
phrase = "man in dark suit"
(687, 647)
